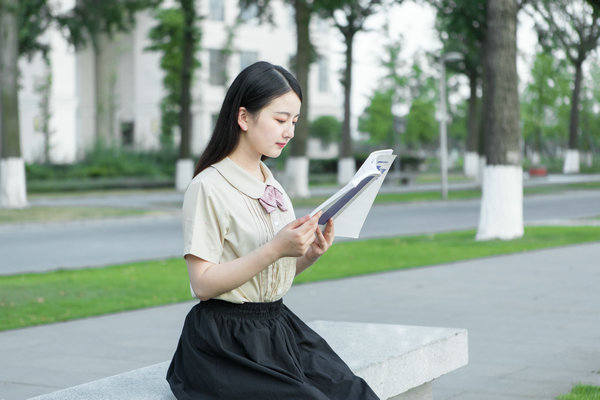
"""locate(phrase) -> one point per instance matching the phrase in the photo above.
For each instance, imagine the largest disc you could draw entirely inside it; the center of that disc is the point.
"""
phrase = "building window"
(127, 133)
(323, 74)
(217, 67)
(216, 10)
(249, 13)
(247, 58)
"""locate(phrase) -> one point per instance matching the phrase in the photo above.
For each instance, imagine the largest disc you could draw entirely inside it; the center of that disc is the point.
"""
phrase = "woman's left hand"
(323, 240)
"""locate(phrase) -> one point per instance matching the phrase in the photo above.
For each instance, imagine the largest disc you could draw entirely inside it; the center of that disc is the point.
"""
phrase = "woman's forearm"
(302, 263)
(210, 280)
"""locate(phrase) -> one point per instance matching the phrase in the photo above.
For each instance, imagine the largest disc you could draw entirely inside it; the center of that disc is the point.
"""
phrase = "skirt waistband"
(244, 310)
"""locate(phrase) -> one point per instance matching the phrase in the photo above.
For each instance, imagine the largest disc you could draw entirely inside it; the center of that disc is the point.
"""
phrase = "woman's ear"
(243, 118)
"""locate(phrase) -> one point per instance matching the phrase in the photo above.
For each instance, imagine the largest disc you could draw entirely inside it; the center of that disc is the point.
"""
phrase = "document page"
(350, 205)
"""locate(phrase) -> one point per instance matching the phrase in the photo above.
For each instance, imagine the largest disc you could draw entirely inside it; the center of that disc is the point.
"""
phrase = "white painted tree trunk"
(471, 165)
(184, 172)
(589, 159)
(535, 158)
(13, 189)
(571, 165)
(501, 214)
(346, 170)
(482, 163)
(296, 177)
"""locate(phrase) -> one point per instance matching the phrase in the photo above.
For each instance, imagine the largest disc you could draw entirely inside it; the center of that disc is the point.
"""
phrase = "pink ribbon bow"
(271, 199)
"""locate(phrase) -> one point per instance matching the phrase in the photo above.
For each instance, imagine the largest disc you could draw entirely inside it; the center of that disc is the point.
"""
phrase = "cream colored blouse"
(223, 220)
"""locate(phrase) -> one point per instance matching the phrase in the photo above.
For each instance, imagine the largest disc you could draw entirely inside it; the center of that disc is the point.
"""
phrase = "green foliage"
(414, 87)
(34, 17)
(90, 18)
(461, 26)
(167, 38)
(43, 89)
(327, 128)
(573, 28)
(582, 392)
(421, 126)
(108, 162)
(377, 119)
(590, 112)
(544, 104)
(570, 25)
(457, 130)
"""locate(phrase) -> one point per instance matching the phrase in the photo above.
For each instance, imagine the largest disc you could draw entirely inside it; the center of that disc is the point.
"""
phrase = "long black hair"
(254, 88)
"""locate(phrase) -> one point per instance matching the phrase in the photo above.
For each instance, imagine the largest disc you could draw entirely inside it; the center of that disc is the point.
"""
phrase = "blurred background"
(113, 93)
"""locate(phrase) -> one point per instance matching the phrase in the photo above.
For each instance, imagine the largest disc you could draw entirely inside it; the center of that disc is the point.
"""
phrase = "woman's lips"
(282, 145)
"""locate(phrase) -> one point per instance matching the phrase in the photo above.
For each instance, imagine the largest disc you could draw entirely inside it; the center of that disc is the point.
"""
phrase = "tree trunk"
(346, 164)
(12, 168)
(501, 214)
(296, 171)
(185, 117)
(185, 167)
(303, 51)
(346, 149)
(471, 162)
(481, 147)
(100, 125)
(11, 143)
(571, 164)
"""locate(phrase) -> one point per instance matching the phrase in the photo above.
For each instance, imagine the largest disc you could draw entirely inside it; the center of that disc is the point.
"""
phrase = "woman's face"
(268, 131)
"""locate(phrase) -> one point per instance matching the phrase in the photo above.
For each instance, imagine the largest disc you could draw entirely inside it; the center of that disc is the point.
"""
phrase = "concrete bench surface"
(397, 361)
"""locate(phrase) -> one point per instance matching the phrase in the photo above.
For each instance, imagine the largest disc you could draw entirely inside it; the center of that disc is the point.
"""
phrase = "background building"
(113, 93)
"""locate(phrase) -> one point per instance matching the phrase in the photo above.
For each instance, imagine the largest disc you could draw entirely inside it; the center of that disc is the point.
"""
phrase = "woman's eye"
(281, 121)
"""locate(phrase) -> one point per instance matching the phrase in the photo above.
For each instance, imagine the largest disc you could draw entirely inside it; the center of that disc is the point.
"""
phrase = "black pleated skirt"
(257, 351)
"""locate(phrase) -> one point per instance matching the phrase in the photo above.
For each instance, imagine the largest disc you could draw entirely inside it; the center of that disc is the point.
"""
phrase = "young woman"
(243, 246)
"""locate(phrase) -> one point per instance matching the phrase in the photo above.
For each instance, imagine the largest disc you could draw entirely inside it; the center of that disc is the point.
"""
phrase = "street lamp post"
(443, 119)
(398, 127)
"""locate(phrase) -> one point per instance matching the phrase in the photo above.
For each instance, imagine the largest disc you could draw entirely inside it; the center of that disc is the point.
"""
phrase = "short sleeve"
(204, 223)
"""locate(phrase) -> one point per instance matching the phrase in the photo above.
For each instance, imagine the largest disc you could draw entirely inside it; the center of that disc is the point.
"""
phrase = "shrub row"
(108, 163)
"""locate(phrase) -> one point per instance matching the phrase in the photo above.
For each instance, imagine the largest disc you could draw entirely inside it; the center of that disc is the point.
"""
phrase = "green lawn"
(32, 299)
(356, 258)
(53, 214)
(429, 177)
(582, 392)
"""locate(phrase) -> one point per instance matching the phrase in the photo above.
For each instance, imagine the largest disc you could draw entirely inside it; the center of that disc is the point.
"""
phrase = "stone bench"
(398, 362)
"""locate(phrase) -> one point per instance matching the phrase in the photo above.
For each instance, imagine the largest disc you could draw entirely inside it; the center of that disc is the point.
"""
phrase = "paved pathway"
(533, 321)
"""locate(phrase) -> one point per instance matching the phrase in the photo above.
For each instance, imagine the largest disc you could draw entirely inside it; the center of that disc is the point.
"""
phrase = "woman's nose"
(289, 131)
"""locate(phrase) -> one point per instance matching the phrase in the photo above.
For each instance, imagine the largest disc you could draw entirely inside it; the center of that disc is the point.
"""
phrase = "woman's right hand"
(294, 239)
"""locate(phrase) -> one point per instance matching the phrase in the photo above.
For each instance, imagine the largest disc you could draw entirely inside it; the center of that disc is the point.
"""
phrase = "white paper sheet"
(350, 220)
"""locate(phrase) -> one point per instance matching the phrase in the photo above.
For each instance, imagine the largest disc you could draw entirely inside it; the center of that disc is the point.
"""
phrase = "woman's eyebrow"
(286, 113)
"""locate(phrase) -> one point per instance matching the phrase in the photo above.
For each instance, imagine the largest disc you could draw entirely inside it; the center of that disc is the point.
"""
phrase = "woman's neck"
(248, 163)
